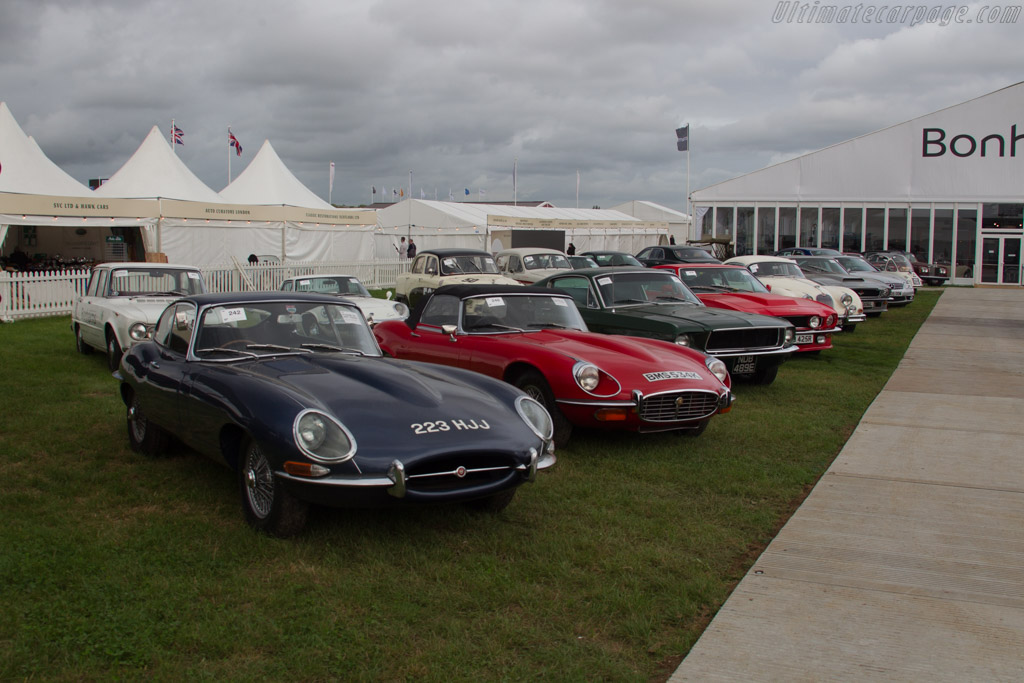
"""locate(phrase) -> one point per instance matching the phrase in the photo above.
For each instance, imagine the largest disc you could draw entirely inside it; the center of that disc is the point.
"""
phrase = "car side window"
(441, 310)
(430, 267)
(514, 264)
(101, 283)
(174, 329)
(656, 253)
(576, 287)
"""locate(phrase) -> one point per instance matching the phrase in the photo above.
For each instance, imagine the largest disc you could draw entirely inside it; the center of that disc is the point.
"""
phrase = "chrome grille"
(745, 339)
(678, 406)
(441, 474)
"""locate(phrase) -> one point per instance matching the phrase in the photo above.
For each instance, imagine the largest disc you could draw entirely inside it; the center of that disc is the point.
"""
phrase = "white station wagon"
(123, 302)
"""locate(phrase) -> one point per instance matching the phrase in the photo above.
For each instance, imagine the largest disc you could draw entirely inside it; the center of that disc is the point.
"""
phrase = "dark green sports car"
(644, 302)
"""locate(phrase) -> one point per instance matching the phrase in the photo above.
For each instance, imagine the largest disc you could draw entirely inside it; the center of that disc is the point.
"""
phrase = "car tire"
(850, 328)
(765, 376)
(534, 384)
(144, 436)
(114, 352)
(267, 506)
(494, 503)
(80, 344)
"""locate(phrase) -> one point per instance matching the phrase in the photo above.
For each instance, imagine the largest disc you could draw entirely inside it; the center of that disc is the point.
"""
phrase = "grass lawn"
(608, 567)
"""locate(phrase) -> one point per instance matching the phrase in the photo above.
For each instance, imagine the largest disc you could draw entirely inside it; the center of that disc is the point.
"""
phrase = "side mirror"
(449, 330)
(389, 295)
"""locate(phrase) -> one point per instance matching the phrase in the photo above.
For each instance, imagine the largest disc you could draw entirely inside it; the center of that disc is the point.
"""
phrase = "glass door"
(1000, 260)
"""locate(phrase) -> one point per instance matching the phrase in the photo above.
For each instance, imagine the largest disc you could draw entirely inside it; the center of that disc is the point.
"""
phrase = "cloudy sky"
(459, 92)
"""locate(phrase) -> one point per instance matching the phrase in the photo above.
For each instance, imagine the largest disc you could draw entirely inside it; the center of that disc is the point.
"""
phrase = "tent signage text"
(933, 144)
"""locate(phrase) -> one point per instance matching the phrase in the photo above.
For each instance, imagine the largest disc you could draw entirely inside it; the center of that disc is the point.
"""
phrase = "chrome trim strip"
(358, 482)
(597, 404)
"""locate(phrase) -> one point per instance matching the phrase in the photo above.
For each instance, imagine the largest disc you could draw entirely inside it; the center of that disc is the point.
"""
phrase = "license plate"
(805, 339)
(870, 304)
(745, 365)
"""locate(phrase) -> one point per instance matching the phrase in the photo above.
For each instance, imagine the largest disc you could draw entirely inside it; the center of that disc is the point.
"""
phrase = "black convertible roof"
(467, 291)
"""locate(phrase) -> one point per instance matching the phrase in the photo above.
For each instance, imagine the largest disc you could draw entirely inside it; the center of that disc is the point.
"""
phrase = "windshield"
(615, 259)
(775, 269)
(693, 253)
(469, 263)
(822, 265)
(347, 286)
(856, 265)
(155, 282)
(519, 313)
(640, 288)
(720, 279)
(239, 330)
(582, 262)
(540, 261)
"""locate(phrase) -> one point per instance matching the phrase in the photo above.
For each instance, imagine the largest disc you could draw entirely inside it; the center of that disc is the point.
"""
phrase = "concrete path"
(906, 562)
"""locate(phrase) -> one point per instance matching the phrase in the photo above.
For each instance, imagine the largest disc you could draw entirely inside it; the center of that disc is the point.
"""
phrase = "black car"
(292, 393)
(807, 251)
(646, 302)
(667, 255)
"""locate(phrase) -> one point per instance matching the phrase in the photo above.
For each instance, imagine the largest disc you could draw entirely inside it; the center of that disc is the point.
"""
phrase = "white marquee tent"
(679, 223)
(482, 226)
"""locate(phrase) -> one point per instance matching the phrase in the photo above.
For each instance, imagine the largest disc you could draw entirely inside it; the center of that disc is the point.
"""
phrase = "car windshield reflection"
(624, 289)
(519, 313)
(454, 265)
(253, 329)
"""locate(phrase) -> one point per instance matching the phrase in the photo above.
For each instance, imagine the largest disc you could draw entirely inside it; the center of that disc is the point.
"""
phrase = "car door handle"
(154, 364)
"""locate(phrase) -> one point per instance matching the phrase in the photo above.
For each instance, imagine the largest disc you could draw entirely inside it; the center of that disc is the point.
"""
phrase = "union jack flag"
(233, 142)
(177, 133)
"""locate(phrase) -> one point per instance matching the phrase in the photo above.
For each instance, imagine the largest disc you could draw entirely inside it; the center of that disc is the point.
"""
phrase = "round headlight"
(815, 322)
(830, 321)
(717, 368)
(587, 376)
(846, 299)
(789, 336)
(322, 438)
(684, 340)
(138, 332)
(536, 416)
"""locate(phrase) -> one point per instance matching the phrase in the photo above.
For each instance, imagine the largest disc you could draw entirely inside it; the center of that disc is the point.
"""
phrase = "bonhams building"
(947, 187)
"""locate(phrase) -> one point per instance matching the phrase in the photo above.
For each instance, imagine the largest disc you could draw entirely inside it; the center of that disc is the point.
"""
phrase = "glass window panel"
(966, 234)
(744, 230)
(1001, 216)
(787, 227)
(897, 229)
(920, 234)
(942, 236)
(723, 222)
(809, 227)
(766, 230)
(706, 223)
(874, 230)
(830, 228)
(852, 228)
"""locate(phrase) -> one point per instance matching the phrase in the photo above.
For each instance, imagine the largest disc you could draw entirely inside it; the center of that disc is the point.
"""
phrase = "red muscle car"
(536, 340)
(734, 288)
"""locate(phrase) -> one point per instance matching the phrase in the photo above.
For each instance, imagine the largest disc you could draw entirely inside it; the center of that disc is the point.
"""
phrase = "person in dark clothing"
(253, 259)
(412, 248)
(571, 249)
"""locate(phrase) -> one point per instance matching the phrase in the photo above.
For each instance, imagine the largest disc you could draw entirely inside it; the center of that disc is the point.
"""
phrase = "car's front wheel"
(144, 436)
(80, 344)
(113, 352)
(766, 376)
(537, 388)
(267, 505)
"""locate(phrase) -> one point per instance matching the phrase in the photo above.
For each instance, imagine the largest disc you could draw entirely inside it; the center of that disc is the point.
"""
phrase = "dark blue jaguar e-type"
(290, 390)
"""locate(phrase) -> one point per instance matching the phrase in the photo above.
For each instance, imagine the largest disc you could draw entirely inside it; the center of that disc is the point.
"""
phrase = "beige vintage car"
(435, 267)
(527, 265)
(123, 301)
(783, 276)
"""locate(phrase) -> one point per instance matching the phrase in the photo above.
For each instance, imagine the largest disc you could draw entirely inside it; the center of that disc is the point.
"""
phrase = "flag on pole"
(373, 189)
(683, 138)
(451, 195)
(423, 195)
(233, 142)
(177, 134)
(467, 191)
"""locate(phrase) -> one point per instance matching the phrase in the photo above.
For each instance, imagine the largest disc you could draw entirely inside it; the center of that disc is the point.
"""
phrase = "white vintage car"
(123, 302)
(527, 265)
(349, 286)
(435, 267)
(783, 276)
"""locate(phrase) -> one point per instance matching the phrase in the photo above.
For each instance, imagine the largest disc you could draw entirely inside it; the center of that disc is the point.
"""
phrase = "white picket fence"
(49, 293)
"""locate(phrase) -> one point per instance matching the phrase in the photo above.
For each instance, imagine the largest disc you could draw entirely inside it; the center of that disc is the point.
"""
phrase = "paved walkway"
(906, 562)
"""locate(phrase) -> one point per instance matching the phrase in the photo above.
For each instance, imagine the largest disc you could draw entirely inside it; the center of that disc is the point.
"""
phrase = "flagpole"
(577, 188)
(229, 156)
(515, 189)
(173, 149)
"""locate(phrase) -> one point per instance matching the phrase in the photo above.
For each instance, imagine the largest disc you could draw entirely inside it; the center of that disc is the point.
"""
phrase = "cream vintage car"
(433, 268)
(349, 286)
(783, 276)
(527, 265)
(123, 301)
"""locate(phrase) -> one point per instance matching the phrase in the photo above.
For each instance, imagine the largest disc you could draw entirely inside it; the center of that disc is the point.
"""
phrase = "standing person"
(571, 249)
(253, 259)
(403, 249)
(671, 239)
(411, 251)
